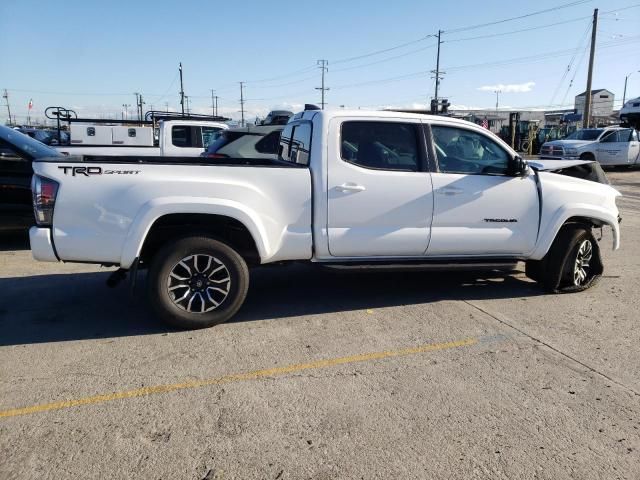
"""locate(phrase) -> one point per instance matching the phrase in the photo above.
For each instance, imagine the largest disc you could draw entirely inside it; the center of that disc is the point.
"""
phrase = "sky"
(92, 56)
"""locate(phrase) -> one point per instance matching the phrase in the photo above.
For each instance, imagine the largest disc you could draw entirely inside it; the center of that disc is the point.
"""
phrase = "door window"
(616, 136)
(380, 145)
(464, 151)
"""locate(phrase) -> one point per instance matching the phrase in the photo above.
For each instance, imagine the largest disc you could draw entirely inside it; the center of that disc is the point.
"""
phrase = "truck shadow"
(14, 240)
(54, 308)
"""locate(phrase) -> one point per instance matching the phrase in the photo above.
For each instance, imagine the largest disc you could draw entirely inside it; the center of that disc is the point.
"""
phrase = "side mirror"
(518, 166)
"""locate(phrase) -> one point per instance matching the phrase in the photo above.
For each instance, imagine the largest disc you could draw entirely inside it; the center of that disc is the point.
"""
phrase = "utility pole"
(139, 103)
(186, 99)
(126, 110)
(437, 70)
(213, 103)
(587, 98)
(497, 92)
(322, 64)
(181, 90)
(166, 106)
(6, 97)
(624, 94)
(242, 104)
(217, 112)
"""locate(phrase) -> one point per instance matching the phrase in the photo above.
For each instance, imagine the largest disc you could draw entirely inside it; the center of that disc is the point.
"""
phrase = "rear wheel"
(197, 282)
(572, 264)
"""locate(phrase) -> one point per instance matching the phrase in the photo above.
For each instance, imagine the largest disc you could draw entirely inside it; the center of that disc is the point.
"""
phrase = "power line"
(568, 69)
(539, 27)
(511, 61)
(279, 77)
(377, 52)
(384, 59)
(519, 17)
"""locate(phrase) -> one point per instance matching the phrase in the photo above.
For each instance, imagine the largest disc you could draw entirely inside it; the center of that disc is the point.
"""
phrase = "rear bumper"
(42, 245)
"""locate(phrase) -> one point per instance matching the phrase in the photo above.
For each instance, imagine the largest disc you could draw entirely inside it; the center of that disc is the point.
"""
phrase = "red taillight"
(217, 155)
(44, 191)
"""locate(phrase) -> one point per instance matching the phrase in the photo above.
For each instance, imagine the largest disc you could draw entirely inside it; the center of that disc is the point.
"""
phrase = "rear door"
(379, 192)
(480, 208)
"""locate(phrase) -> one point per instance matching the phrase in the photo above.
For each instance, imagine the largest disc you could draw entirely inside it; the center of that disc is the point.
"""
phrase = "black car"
(17, 151)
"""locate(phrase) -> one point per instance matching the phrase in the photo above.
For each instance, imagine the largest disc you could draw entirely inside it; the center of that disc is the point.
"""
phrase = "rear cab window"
(295, 142)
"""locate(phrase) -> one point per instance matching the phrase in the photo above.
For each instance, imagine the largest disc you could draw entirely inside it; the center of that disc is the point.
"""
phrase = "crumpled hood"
(570, 143)
(581, 169)
(553, 165)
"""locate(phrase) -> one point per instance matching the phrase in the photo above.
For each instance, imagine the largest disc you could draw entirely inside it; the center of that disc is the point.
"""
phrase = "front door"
(614, 148)
(380, 200)
(480, 209)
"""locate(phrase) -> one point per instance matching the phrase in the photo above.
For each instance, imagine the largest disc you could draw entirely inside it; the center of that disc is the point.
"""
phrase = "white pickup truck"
(176, 138)
(608, 146)
(349, 188)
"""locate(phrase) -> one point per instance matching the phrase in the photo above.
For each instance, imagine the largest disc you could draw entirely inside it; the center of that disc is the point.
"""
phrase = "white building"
(601, 103)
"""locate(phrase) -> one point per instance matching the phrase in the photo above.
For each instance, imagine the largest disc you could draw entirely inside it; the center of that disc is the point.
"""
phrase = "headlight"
(571, 151)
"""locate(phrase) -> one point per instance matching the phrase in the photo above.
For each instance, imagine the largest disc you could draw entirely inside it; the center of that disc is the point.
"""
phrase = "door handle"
(350, 187)
(450, 191)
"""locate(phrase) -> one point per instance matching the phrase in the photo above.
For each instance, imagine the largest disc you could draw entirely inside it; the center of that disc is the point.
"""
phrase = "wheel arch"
(589, 217)
(162, 221)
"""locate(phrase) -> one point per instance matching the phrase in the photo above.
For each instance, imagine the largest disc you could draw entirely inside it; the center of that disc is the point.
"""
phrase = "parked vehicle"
(609, 146)
(350, 188)
(176, 138)
(248, 142)
(17, 151)
(48, 137)
(630, 113)
(277, 117)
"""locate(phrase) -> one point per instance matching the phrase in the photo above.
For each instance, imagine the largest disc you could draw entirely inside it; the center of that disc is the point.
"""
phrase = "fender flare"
(151, 211)
(566, 212)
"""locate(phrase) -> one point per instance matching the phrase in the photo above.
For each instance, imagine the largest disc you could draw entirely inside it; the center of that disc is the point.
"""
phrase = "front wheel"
(197, 282)
(573, 262)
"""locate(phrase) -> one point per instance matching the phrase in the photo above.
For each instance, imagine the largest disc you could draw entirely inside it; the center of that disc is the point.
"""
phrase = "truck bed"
(106, 205)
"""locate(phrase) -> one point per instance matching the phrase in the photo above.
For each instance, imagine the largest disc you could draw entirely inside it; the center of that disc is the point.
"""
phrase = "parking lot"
(325, 374)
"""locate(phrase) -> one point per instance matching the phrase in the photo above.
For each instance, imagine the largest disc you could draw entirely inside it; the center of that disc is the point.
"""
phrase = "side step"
(506, 266)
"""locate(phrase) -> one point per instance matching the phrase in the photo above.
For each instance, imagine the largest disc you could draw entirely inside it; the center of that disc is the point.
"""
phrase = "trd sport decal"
(86, 171)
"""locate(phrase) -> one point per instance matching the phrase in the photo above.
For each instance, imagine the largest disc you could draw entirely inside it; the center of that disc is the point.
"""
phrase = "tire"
(197, 282)
(587, 156)
(573, 263)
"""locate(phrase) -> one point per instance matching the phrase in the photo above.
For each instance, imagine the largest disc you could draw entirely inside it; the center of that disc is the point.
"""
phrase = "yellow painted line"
(270, 372)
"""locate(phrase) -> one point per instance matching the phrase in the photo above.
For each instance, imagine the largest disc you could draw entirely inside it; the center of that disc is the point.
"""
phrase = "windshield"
(24, 143)
(585, 134)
